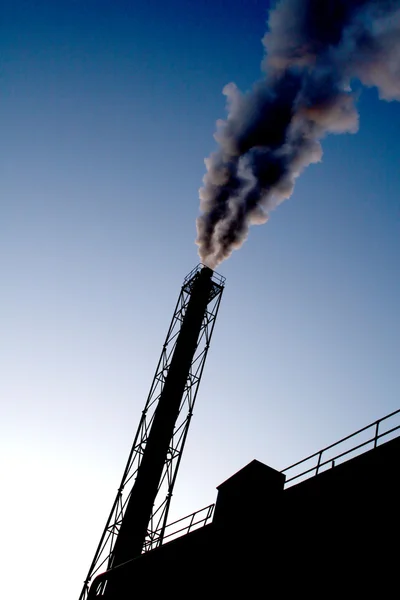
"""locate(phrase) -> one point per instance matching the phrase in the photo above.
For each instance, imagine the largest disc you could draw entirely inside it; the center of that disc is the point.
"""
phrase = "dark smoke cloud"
(315, 49)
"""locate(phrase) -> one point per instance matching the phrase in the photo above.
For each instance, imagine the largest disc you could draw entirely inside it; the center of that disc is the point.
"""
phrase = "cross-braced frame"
(103, 558)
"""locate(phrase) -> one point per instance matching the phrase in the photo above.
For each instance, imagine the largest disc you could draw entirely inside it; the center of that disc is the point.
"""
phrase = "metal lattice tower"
(140, 511)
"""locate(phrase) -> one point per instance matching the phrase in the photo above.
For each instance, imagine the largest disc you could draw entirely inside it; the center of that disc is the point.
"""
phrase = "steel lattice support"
(105, 554)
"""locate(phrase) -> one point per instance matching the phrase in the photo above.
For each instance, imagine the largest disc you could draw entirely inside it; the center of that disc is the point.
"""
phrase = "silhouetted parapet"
(252, 491)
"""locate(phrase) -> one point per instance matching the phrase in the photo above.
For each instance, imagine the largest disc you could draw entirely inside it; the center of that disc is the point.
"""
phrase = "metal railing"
(303, 469)
(216, 277)
(184, 525)
(326, 458)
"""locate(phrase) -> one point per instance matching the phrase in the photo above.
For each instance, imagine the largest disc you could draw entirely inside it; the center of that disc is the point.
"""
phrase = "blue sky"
(108, 111)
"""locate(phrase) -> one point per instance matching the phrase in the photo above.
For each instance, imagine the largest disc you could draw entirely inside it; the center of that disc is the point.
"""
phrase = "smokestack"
(314, 52)
(139, 514)
(134, 525)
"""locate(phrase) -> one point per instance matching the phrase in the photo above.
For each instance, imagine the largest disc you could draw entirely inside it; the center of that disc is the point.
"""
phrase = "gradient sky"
(108, 110)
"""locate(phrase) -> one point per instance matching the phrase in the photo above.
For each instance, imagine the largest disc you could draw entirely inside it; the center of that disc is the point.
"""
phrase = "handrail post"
(376, 433)
(319, 462)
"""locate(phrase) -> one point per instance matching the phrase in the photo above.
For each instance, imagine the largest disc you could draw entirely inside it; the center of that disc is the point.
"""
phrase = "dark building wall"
(335, 534)
(342, 524)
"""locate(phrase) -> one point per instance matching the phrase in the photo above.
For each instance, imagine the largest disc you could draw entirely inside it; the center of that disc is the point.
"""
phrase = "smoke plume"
(314, 51)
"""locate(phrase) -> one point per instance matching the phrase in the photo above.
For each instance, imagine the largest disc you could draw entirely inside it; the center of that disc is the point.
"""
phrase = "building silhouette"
(326, 526)
(332, 530)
